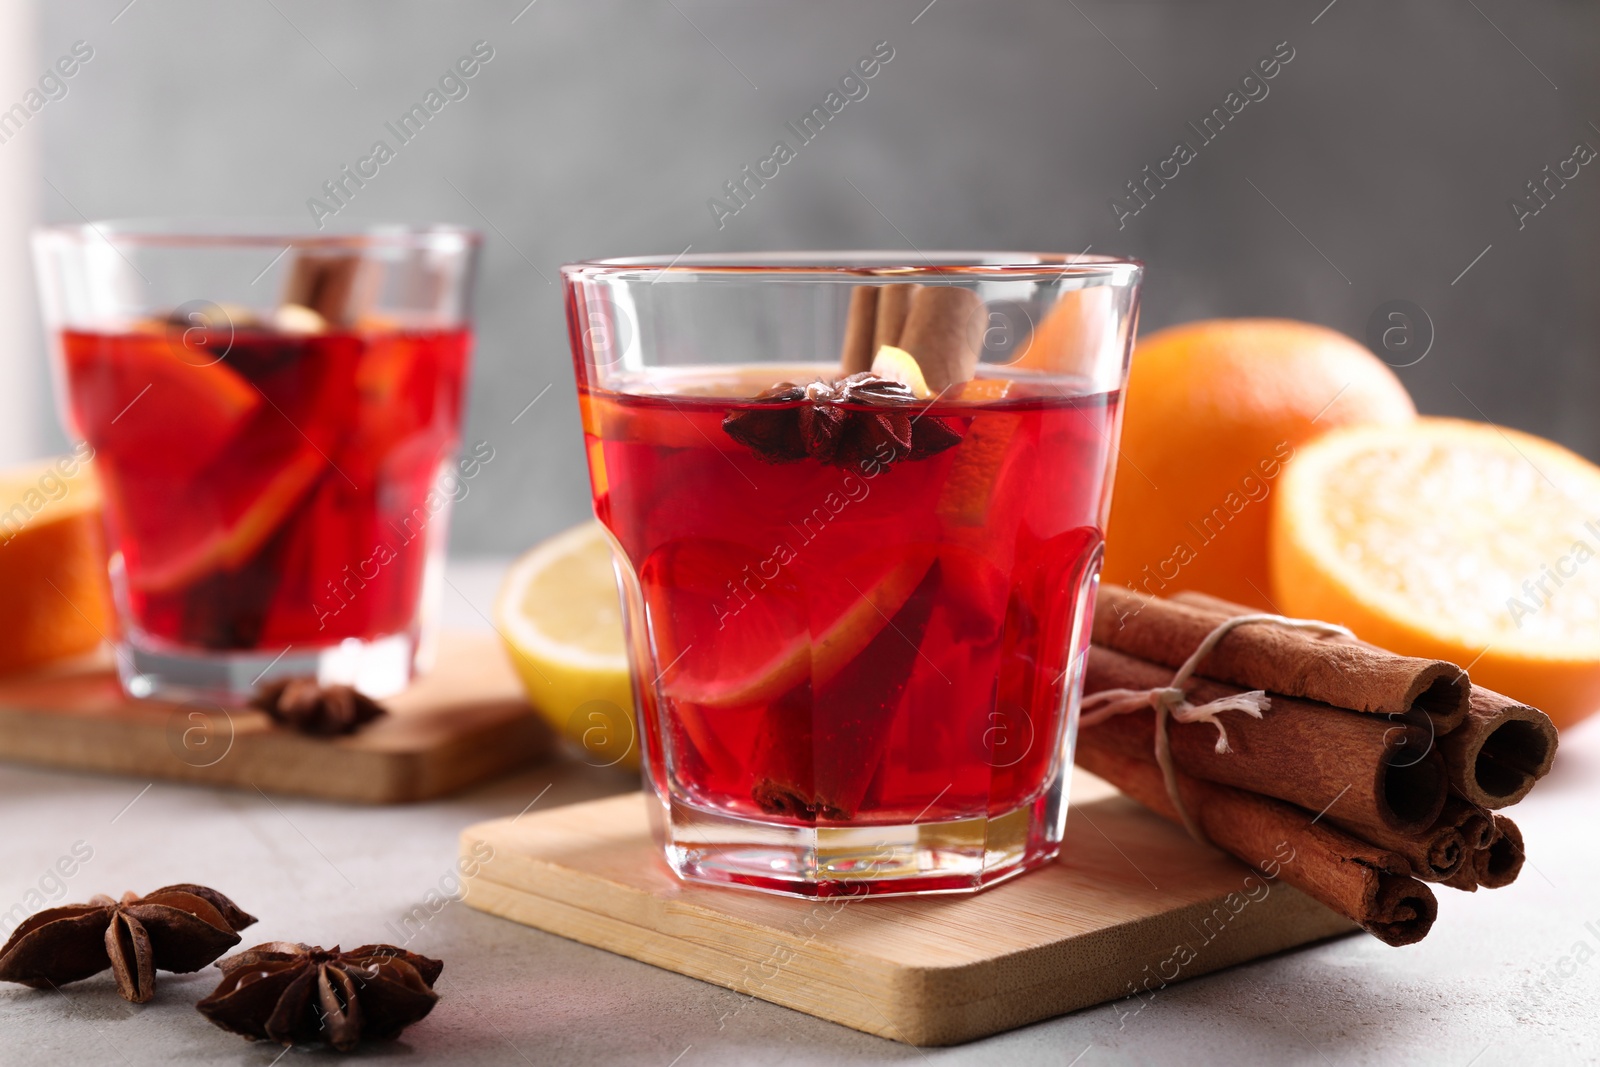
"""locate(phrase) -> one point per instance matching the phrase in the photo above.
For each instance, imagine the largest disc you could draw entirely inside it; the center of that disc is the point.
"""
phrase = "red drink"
(879, 637)
(267, 488)
(855, 588)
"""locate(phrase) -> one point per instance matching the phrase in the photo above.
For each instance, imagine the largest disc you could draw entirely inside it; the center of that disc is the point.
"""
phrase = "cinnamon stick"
(1497, 753)
(1344, 674)
(859, 326)
(944, 333)
(894, 303)
(1207, 602)
(1358, 770)
(1433, 857)
(1366, 884)
(327, 283)
(1439, 852)
(1497, 863)
(1476, 824)
(1500, 750)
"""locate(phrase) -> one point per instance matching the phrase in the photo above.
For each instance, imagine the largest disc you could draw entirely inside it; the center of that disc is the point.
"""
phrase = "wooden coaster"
(1132, 904)
(464, 722)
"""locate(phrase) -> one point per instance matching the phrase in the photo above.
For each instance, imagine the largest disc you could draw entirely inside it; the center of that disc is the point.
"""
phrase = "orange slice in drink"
(611, 420)
(139, 401)
(981, 391)
(1452, 540)
(1076, 337)
(233, 507)
(976, 471)
(737, 630)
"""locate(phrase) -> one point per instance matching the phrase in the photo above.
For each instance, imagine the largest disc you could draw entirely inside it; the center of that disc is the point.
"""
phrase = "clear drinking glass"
(855, 606)
(272, 415)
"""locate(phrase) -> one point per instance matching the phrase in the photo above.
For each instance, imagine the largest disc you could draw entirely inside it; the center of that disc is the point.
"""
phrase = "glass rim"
(266, 232)
(857, 265)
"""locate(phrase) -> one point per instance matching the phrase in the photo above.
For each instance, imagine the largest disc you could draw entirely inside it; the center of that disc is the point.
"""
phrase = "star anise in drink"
(178, 928)
(321, 710)
(292, 993)
(857, 419)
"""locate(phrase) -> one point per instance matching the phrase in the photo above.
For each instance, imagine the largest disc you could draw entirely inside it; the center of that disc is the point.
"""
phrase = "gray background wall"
(1388, 148)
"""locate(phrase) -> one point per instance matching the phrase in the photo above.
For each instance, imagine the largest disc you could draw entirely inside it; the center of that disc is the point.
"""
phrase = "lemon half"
(560, 618)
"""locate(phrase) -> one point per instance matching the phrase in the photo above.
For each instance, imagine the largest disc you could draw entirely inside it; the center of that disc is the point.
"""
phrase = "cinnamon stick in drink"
(331, 284)
(944, 333)
(894, 303)
(859, 327)
(1360, 771)
(1500, 750)
(1342, 673)
(1368, 885)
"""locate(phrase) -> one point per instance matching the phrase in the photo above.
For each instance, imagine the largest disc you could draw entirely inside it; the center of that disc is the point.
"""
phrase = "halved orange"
(54, 601)
(1455, 540)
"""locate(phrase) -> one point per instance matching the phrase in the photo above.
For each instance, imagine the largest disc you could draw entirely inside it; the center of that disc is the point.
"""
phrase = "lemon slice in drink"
(558, 613)
(898, 365)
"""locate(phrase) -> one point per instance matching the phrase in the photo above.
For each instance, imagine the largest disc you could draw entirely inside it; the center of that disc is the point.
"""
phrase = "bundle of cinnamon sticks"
(1380, 772)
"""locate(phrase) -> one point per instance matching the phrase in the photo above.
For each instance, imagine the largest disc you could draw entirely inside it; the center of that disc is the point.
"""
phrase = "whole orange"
(1212, 412)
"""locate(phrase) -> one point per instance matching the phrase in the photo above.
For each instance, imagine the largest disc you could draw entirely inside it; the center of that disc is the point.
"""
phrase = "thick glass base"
(380, 667)
(955, 856)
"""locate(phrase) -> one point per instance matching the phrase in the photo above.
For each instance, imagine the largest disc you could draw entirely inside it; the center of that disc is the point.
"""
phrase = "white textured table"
(1499, 981)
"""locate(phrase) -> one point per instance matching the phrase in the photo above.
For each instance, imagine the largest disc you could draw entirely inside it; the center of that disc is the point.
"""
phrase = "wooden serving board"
(464, 722)
(1130, 893)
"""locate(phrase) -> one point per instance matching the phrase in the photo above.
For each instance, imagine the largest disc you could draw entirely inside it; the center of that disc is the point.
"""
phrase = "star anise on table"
(178, 928)
(320, 710)
(293, 993)
(860, 418)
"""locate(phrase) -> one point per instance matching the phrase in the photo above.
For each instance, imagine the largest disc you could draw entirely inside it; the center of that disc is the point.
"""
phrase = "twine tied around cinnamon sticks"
(1172, 702)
